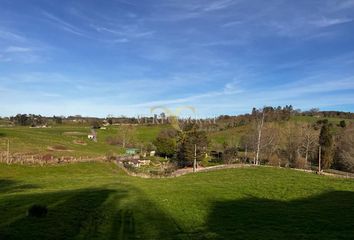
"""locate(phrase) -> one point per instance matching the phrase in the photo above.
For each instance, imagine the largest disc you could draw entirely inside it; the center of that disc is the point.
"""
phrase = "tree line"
(299, 144)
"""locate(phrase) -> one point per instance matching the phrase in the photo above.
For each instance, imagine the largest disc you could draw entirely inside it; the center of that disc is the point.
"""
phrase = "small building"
(136, 162)
(91, 137)
(152, 153)
(144, 162)
(132, 151)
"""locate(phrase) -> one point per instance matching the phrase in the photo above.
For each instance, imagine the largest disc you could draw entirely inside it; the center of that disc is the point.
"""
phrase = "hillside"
(71, 139)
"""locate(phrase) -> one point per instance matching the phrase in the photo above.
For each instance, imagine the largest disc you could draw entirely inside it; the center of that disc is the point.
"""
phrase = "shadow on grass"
(326, 216)
(84, 214)
(10, 186)
(127, 213)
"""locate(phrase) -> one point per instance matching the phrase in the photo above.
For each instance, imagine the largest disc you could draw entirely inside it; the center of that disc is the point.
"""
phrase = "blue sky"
(123, 57)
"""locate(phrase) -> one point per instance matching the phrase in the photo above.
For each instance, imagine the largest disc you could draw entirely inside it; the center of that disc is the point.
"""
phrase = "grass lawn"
(98, 201)
(230, 136)
(40, 140)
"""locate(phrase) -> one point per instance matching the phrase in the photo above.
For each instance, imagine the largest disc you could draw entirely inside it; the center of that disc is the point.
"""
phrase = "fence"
(44, 159)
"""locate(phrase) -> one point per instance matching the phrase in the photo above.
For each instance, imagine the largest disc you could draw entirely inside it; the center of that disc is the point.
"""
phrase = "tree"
(126, 136)
(166, 143)
(265, 146)
(96, 124)
(342, 124)
(58, 120)
(309, 139)
(229, 155)
(344, 157)
(326, 143)
(187, 141)
(259, 129)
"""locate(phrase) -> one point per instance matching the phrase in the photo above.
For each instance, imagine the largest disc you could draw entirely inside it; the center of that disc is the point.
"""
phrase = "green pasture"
(98, 201)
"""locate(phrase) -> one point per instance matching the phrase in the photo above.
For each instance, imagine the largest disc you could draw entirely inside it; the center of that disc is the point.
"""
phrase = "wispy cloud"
(343, 4)
(238, 41)
(5, 58)
(64, 25)
(184, 10)
(35, 78)
(232, 23)
(125, 32)
(16, 49)
(10, 36)
(189, 99)
(327, 22)
(21, 55)
(218, 5)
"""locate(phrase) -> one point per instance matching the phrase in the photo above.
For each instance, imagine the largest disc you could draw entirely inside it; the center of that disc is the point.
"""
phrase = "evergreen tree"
(326, 143)
(187, 141)
(166, 143)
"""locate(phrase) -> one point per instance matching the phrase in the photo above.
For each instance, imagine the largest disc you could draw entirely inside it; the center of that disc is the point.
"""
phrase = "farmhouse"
(91, 136)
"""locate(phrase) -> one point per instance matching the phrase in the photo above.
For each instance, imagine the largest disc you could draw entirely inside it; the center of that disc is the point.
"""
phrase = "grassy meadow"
(98, 201)
(72, 137)
(75, 142)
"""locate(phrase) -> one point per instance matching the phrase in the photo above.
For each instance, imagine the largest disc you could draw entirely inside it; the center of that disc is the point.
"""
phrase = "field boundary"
(184, 171)
(45, 159)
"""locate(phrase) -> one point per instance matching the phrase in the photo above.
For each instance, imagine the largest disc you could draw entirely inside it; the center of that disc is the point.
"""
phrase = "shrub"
(113, 140)
(37, 210)
(301, 163)
(274, 160)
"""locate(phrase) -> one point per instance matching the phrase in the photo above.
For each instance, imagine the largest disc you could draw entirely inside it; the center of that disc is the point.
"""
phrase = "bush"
(300, 163)
(274, 160)
(113, 140)
(37, 210)
(110, 156)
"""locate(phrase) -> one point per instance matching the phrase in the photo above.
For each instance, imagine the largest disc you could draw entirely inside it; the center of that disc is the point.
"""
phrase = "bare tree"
(291, 142)
(344, 158)
(126, 135)
(309, 139)
(259, 129)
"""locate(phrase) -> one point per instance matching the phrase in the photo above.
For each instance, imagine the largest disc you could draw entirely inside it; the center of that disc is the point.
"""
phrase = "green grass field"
(98, 201)
(40, 140)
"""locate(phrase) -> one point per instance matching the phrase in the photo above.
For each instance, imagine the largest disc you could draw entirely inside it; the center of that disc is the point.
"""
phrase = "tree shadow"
(98, 213)
(10, 186)
(67, 213)
(326, 216)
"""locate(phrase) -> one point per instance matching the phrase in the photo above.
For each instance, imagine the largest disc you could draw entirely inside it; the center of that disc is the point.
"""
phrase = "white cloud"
(217, 5)
(232, 23)
(10, 36)
(327, 22)
(16, 49)
(124, 31)
(63, 24)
